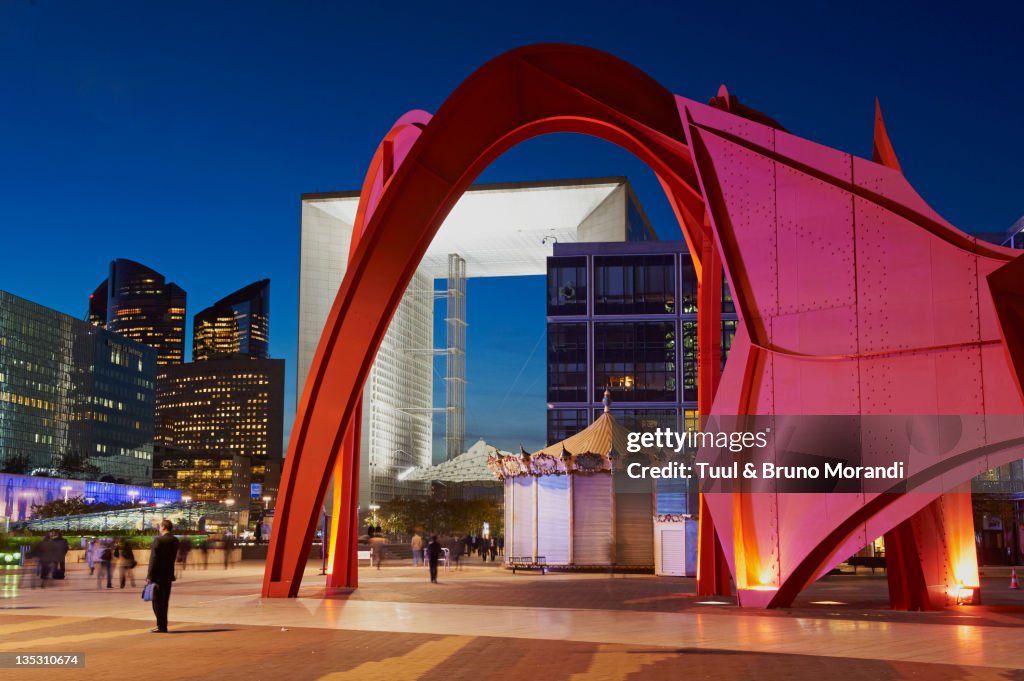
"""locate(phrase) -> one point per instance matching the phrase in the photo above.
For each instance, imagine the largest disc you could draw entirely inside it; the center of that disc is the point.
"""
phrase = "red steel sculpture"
(854, 298)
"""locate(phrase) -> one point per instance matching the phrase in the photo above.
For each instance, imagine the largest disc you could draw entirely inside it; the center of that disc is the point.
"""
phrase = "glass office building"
(236, 326)
(624, 316)
(142, 306)
(75, 400)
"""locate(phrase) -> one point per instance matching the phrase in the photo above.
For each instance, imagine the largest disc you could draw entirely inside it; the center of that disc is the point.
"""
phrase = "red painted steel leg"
(342, 564)
(931, 559)
(712, 568)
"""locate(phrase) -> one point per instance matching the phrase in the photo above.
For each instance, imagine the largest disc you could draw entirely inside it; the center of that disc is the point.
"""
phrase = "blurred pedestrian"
(184, 548)
(162, 557)
(45, 553)
(457, 550)
(125, 557)
(433, 555)
(229, 547)
(92, 553)
(105, 559)
(60, 549)
(417, 548)
(483, 545)
(376, 548)
(204, 552)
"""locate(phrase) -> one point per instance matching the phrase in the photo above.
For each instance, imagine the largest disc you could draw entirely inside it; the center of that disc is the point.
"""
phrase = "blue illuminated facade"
(18, 493)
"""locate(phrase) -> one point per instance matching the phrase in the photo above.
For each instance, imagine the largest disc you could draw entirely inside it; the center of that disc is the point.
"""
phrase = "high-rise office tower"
(236, 326)
(142, 306)
(97, 315)
(223, 408)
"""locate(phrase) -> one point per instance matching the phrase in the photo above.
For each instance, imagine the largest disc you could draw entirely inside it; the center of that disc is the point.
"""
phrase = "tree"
(75, 464)
(16, 464)
(73, 506)
(450, 517)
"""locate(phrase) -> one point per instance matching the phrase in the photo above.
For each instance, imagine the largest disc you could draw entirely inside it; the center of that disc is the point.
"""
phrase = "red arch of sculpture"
(817, 334)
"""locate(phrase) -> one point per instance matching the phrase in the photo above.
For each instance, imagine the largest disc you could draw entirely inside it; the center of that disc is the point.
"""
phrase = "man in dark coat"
(61, 549)
(433, 555)
(161, 572)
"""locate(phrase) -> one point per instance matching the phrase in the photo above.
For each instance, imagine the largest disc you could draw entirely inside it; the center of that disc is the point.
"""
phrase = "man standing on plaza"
(161, 572)
(433, 555)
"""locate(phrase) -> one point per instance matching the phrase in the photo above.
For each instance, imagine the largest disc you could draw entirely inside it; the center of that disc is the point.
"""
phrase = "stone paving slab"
(119, 648)
(597, 616)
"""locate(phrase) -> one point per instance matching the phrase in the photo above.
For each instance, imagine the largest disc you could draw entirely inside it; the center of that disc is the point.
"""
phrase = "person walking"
(125, 563)
(184, 547)
(229, 547)
(417, 548)
(45, 553)
(91, 554)
(377, 549)
(162, 555)
(105, 559)
(458, 548)
(433, 555)
(60, 549)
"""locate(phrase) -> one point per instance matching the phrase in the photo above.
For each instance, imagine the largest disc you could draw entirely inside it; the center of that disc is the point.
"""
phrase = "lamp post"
(66, 488)
(266, 503)
(373, 511)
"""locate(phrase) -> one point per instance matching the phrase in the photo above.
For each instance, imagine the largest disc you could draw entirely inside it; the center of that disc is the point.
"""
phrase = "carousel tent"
(564, 504)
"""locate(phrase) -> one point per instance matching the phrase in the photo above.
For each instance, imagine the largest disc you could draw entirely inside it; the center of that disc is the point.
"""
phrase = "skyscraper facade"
(237, 325)
(225, 407)
(97, 315)
(142, 306)
(624, 316)
(75, 400)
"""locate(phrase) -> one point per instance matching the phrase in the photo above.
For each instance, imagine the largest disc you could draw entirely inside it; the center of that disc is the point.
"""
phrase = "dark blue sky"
(182, 134)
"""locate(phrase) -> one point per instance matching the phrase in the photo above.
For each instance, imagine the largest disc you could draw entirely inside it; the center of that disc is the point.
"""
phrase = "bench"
(528, 563)
(363, 555)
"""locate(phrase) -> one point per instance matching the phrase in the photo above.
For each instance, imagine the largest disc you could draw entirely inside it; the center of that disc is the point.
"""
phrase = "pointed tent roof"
(604, 436)
(470, 466)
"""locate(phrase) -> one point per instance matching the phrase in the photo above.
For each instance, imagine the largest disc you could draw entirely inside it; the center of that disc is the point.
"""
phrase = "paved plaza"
(485, 623)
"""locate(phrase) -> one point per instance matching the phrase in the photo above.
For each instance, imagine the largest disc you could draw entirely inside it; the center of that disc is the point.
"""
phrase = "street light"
(373, 509)
(132, 493)
(266, 503)
(66, 488)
